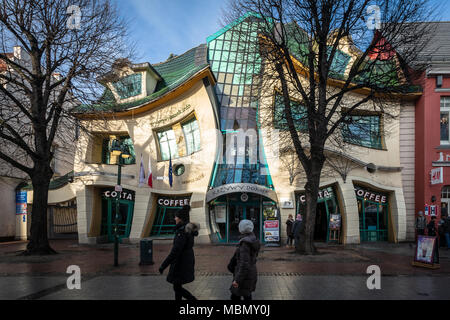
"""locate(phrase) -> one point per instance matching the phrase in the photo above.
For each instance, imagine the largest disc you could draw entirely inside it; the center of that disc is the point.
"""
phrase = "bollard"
(146, 252)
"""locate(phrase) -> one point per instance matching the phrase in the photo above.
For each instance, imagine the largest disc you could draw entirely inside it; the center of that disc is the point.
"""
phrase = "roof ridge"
(179, 56)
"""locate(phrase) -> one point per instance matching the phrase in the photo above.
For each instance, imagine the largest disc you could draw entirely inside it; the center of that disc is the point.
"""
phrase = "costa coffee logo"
(124, 195)
(371, 196)
(170, 202)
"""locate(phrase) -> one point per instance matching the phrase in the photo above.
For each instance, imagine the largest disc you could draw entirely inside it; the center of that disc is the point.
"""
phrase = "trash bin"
(146, 252)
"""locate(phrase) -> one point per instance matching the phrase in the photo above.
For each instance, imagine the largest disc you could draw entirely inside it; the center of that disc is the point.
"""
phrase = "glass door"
(239, 211)
(124, 219)
(373, 221)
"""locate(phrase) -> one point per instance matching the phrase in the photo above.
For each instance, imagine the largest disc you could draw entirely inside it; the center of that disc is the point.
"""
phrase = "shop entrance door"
(125, 219)
(322, 221)
(239, 211)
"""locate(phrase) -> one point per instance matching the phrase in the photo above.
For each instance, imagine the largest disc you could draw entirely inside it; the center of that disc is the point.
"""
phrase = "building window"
(168, 145)
(192, 135)
(339, 64)
(109, 158)
(299, 114)
(363, 130)
(130, 86)
(445, 111)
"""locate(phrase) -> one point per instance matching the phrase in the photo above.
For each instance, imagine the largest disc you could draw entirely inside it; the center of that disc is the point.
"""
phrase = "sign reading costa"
(124, 195)
(370, 195)
(172, 202)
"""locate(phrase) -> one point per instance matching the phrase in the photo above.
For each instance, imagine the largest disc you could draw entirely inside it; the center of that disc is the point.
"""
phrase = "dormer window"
(129, 87)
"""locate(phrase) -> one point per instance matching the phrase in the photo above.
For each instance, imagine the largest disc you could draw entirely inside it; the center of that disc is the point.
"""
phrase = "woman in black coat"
(243, 263)
(181, 258)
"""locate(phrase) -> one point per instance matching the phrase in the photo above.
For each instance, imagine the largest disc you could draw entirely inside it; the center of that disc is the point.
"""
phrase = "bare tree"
(301, 43)
(60, 48)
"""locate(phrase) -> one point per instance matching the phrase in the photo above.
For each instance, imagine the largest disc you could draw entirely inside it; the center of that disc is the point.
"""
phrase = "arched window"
(445, 192)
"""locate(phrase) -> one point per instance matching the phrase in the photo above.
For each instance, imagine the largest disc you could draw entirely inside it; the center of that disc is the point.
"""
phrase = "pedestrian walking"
(447, 231)
(296, 229)
(421, 223)
(441, 231)
(181, 258)
(431, 226)
(243, 263)
(290, 234)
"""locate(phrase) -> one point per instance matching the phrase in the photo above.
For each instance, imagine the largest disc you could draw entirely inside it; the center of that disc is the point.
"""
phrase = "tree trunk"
(39, 244)
(305, 245)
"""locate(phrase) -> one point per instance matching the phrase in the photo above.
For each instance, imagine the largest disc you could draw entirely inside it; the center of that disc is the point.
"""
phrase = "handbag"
(232, 264)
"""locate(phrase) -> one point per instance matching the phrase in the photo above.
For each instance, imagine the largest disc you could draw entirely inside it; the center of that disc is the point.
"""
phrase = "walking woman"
(289, 227)
(181, 258)
(243, 263)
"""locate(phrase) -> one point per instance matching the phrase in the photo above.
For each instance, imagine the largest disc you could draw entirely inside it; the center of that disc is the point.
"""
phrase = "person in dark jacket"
(245, 274)
(181, 258)
(447, 231)
(421, 223)
(432, 227)
(296, 229)
(290, 234)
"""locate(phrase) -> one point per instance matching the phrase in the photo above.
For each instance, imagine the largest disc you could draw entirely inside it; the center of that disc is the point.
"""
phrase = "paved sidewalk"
(217, 288)
(337, 272)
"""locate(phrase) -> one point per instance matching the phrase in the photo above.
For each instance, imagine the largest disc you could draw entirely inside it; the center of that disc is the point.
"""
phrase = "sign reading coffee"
(371, 196)
(173, 202)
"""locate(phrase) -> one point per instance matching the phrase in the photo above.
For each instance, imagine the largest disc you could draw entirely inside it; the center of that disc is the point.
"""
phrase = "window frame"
(171, 156)
(278, 124)
(444, 109)
(183, 123)
(366, 113)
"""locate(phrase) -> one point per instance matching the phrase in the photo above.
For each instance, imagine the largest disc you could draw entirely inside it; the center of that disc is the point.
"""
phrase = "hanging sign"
(437, 176)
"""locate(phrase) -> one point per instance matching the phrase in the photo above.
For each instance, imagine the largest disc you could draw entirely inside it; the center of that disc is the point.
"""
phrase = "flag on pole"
(170, 173)
(142, 173)
(150, 175)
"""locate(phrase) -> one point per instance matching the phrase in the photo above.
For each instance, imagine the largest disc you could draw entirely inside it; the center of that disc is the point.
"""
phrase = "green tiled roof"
(174, 72)
(57, 183)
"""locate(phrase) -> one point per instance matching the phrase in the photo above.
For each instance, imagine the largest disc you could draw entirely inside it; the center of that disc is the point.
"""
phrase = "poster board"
(271, 224)
(426, 254)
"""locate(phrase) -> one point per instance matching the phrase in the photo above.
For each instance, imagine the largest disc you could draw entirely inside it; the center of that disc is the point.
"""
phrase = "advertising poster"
(272, 231)
(425, 252)
(21, 202)
(271, 223)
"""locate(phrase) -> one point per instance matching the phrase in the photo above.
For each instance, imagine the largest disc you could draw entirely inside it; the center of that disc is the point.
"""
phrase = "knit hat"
(183, 213)
(246, 226)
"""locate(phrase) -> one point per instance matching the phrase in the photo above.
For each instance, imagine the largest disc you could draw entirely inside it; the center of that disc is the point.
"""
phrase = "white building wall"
(407, 159)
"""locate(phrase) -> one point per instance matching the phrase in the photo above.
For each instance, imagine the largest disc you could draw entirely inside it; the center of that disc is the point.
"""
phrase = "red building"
(432, 130)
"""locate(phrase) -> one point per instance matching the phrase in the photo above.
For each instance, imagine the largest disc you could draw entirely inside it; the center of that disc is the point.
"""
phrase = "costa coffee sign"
(323, 194)
(124, 195)
(371, 196)
(171, 202)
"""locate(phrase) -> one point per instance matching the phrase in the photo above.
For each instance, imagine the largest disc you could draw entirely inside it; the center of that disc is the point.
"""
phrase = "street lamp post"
(122, 152)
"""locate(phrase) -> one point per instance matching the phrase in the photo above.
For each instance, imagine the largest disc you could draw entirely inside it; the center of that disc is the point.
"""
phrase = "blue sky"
(162, 27)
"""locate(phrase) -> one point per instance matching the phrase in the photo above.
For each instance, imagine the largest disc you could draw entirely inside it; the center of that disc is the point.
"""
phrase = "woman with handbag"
(243, 263)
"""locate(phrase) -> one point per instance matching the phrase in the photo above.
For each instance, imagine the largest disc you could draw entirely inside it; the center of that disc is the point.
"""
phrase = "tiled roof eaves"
(113, 108)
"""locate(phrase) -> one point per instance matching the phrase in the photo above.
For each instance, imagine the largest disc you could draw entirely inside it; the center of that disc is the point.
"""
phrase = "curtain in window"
(168, 145)
(192, 134)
